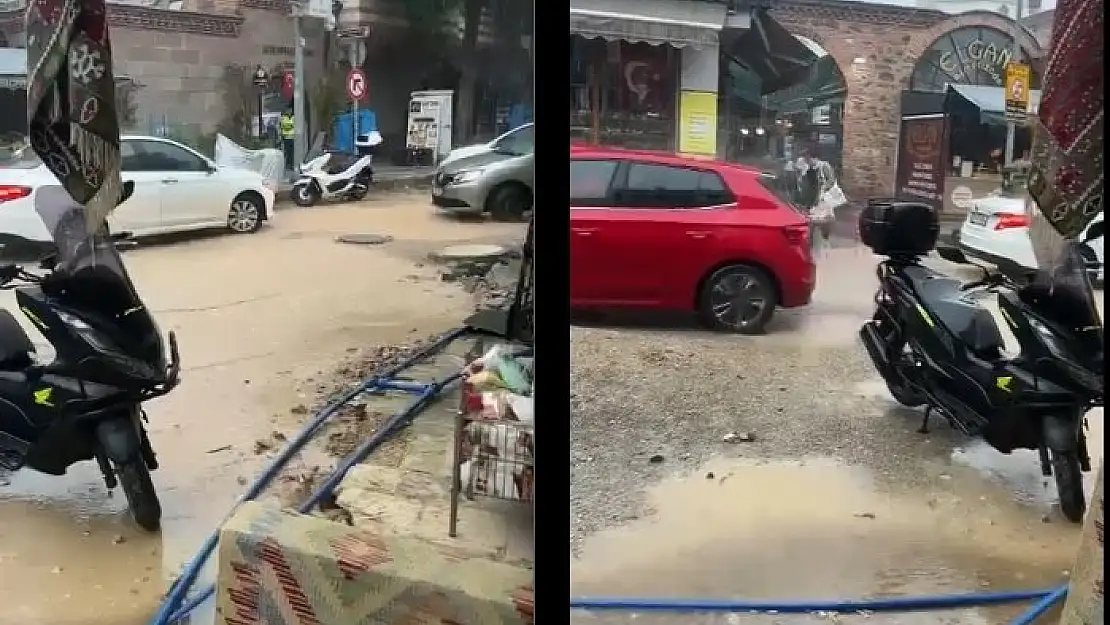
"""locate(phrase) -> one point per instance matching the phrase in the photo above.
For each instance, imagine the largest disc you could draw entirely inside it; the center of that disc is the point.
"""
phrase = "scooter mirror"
(1094, 231)
(952, 255)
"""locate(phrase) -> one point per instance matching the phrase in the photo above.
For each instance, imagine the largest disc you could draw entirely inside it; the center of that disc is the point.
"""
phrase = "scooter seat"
(970, 322)
(339, 162)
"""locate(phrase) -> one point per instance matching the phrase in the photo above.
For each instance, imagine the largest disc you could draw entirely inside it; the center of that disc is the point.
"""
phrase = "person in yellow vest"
(287, 127)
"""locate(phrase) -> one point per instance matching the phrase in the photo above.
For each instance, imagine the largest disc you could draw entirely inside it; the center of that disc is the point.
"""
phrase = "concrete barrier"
(281, 568)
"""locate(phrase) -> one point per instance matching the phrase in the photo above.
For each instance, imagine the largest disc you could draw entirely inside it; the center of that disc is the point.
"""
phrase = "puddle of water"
(817, 528)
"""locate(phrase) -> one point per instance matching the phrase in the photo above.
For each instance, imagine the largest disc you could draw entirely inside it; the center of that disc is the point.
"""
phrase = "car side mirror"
(211, 167)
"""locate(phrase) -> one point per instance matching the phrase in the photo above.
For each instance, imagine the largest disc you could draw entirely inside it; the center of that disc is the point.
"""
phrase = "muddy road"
(260, 320)
(778, 467)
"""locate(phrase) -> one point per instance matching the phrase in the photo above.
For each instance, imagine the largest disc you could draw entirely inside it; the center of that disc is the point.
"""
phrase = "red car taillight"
(797, 235)
(1011, 220)
(11, 192)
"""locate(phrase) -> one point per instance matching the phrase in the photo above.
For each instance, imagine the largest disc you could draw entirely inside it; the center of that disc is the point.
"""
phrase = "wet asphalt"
(261, 320)
(708, 465)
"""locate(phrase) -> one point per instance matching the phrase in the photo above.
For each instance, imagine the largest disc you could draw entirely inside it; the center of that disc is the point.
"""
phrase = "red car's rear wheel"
(738, 298)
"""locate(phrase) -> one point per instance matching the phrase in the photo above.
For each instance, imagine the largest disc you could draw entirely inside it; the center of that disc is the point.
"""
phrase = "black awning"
(923, 103)
(769, 50)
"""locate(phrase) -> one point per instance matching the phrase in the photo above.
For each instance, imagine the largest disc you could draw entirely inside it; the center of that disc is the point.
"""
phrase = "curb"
(276, 567)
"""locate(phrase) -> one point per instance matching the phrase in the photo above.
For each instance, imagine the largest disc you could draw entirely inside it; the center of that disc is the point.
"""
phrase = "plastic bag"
(523, 408)
(485, 380)
(497, 360)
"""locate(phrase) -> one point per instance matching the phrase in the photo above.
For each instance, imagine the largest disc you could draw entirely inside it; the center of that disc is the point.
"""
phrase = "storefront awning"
(769, 50)
(991, 101)
(678, 23)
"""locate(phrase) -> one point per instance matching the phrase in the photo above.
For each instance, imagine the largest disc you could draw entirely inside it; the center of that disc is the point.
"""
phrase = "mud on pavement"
(711, 465)
(262, 321)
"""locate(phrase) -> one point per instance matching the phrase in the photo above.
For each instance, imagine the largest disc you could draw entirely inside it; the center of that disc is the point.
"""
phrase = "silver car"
(495, 177)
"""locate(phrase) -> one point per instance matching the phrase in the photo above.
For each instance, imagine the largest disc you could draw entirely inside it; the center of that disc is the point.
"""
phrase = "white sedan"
(176, 189)
(998, 228)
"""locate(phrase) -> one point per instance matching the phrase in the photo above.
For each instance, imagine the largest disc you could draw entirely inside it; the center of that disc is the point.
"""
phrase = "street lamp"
(261, 80)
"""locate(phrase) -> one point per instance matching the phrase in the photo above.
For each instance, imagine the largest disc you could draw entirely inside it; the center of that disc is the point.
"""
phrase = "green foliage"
(327, 99)
(427, 18)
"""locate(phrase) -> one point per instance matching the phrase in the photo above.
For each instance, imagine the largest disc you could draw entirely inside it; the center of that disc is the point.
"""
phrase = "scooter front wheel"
(1067, 470)
(138, 488)
(304, 194)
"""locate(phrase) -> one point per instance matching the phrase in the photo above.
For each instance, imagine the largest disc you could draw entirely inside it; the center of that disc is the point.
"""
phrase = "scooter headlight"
(1065, 360)
(109, 351)
(86, 332)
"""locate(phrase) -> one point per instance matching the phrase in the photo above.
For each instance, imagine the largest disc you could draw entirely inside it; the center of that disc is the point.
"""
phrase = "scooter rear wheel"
(142, 499)
(1069, 485)
(897, 382)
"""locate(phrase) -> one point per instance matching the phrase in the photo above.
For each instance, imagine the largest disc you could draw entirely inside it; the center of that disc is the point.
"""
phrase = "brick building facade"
(876, 48)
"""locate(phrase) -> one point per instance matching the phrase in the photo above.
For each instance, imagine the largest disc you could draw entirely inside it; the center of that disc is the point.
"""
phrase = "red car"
(657, 231)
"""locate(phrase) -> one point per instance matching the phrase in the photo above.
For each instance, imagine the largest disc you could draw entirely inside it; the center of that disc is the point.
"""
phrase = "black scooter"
(937, 347)
(110, 358)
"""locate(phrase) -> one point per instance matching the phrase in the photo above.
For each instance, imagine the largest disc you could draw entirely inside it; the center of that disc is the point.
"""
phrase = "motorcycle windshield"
(93, 277)
(1063, 293)
(80, 253)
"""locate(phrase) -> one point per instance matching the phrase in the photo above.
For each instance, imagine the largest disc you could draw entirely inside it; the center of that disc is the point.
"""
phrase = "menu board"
(922, 160)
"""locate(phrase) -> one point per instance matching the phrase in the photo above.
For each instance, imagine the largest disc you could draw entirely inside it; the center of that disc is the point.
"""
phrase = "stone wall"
(876, 48)
(178, 57)
(180, 73)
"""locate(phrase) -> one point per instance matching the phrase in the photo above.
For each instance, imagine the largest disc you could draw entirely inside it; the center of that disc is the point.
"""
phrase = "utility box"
(429, 125)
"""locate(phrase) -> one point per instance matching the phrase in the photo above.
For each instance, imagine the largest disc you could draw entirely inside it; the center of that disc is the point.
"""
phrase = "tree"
(507, 20)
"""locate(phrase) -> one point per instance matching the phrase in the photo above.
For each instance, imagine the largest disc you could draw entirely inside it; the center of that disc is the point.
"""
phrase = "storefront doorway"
(954, 127)
(768, 123)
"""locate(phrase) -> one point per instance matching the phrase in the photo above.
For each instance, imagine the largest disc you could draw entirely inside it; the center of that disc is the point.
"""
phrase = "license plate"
(978, 219)
(437, 191)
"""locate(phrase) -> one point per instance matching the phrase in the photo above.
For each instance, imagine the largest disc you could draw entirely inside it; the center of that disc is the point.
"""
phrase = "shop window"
(623, 93)
(966, 56)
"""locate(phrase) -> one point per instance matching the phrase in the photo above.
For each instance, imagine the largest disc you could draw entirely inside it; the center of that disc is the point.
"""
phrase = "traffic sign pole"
(1015, 57)
(353, 53)
(357, 87)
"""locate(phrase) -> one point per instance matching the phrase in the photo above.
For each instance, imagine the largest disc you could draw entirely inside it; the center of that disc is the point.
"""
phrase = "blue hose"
(1038, 609)
(893, 604)
(181, 586)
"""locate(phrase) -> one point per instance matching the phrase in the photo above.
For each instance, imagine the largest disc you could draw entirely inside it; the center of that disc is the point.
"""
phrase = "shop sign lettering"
(977, 56)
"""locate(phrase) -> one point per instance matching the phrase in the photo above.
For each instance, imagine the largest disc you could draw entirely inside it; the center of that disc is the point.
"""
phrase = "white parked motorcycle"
(335, 175)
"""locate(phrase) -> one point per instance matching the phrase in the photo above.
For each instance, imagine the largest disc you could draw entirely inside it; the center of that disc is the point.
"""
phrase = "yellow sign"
(697, 123)
(1018, 83)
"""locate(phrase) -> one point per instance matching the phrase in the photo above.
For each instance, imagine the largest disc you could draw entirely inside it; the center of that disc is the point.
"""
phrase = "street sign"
(1018, 77)
(261, 77)
(357, 85)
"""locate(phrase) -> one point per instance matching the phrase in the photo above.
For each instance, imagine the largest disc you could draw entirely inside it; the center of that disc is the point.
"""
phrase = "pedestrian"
(816, 181)
(287, 127)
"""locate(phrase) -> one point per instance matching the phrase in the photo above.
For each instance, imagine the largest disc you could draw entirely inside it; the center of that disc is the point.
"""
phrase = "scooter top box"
(896, 228)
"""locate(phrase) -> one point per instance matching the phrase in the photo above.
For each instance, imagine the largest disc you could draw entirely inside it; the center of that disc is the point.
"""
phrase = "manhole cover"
(470, 252)
(363, 239)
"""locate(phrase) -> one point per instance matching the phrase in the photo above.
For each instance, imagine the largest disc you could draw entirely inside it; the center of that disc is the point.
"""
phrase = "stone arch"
(923, 39)
(876, 48)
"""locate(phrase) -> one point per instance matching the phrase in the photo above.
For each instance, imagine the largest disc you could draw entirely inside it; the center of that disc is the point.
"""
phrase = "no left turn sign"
(357, 85)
